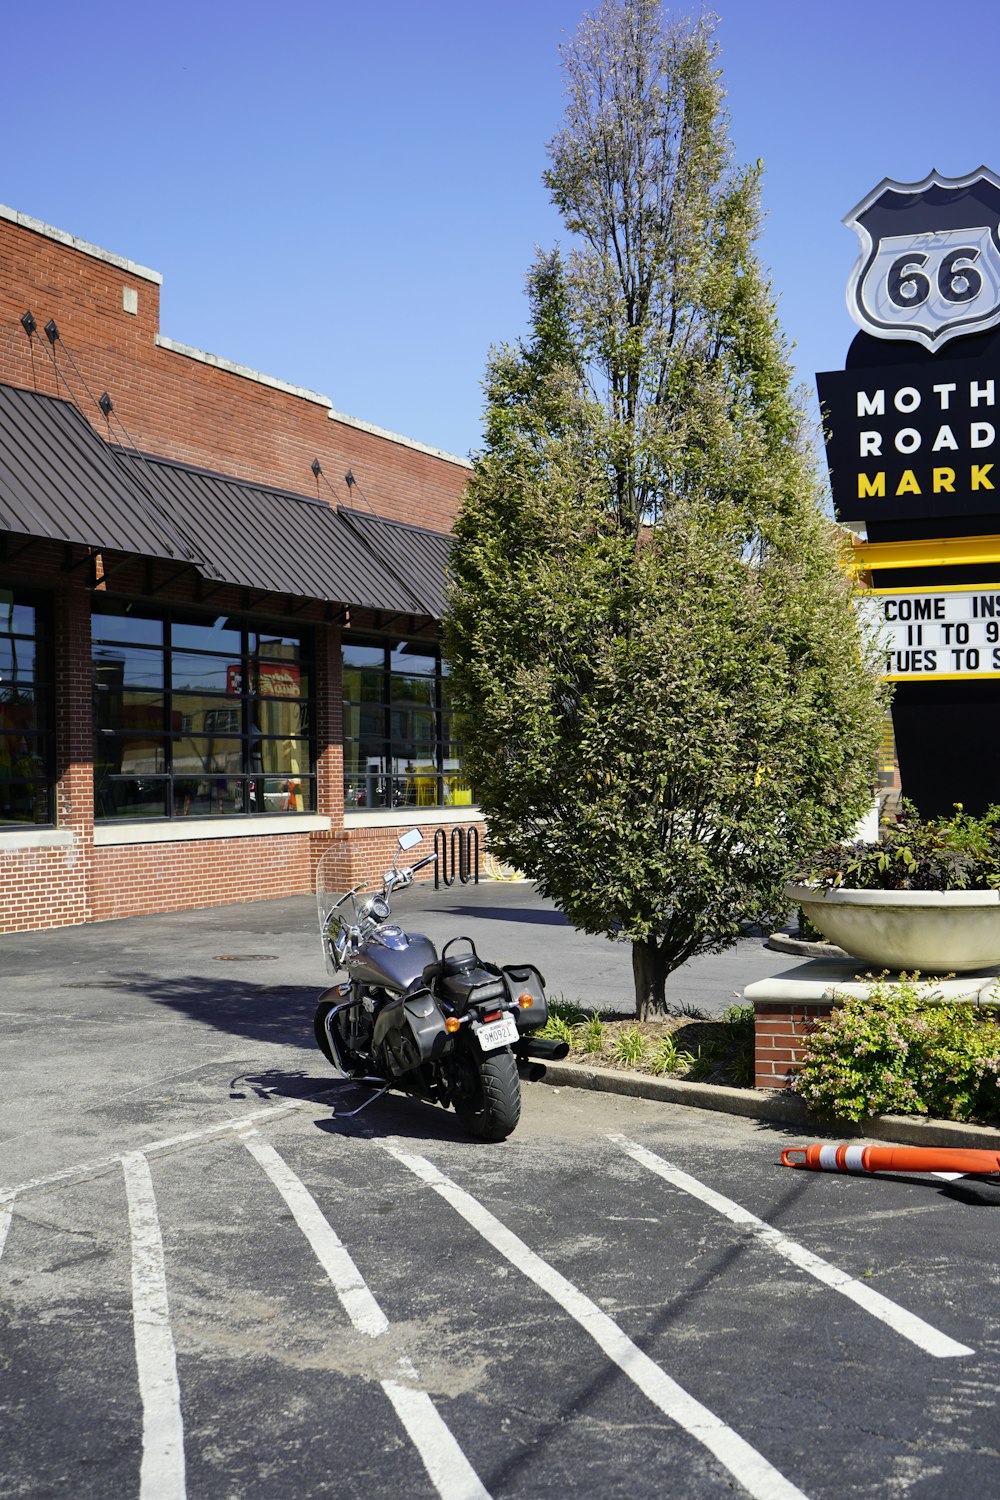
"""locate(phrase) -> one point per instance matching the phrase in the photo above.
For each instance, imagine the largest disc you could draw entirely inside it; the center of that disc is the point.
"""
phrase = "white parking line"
(447, 1466)
(348, 1282)
(97, 1165)
(4, 1227)
(907, 1324)
(746, 1465)
(162, 1472)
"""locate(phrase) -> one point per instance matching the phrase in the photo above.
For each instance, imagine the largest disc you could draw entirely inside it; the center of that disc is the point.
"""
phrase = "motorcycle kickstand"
(349, 1114)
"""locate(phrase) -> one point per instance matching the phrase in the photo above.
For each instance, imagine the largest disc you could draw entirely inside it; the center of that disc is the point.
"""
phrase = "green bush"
(896, 1052)
(943, 854)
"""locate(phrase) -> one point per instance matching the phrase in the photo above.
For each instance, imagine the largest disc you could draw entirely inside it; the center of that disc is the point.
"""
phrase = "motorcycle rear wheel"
(488, 1098)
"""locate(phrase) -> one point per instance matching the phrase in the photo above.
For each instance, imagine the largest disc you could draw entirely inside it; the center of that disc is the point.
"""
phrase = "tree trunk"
(649, 970)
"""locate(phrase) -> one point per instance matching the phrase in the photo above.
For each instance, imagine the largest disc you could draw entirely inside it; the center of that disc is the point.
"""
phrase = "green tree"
(656, 667)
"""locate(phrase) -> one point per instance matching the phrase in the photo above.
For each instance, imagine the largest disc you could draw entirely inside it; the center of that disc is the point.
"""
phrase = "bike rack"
(464, 856)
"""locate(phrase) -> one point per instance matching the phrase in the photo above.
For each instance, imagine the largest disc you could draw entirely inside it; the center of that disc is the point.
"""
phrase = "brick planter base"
(788, 1005)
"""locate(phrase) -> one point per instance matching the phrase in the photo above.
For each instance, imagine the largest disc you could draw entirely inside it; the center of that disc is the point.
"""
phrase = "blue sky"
(347, 197)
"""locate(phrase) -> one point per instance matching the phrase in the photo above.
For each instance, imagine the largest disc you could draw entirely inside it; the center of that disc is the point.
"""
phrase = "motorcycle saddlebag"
(521, 979)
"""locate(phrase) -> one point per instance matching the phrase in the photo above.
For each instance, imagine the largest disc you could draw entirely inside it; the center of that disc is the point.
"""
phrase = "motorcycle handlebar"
(429, 860)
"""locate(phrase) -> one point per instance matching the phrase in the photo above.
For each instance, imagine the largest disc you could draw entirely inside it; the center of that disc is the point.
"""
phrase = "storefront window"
(199, 717)
(398, 744)
(26, 728)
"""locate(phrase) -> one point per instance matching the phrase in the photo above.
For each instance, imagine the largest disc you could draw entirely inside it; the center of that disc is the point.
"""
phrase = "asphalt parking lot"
(211, 1285)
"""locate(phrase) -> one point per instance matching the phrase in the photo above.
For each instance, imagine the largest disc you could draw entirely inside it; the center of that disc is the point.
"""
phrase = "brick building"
(219, 609)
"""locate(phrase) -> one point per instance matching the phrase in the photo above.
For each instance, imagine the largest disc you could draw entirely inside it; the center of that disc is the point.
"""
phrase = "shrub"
(629, 1048)
(666, 1057)
(590, 1035)
(942, 854)
(898, 1052)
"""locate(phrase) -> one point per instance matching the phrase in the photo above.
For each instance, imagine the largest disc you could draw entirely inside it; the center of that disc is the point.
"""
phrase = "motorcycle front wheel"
(487, 1092)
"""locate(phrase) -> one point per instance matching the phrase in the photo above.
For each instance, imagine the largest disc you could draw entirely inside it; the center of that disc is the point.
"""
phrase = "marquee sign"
(936, 634)
(913, 440)
(929, 268)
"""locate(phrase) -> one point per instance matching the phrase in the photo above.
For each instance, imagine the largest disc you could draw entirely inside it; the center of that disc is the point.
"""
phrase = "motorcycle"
(451, 1029)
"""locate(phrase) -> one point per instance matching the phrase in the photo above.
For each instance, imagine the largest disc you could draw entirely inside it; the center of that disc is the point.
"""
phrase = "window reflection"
(399, 748)
(26, 742)
(185, 731)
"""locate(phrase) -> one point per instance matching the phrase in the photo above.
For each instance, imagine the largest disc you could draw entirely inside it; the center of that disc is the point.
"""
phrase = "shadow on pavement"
(526, 914)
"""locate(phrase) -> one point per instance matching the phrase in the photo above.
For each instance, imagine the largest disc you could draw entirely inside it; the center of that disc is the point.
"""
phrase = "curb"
(776, 1106)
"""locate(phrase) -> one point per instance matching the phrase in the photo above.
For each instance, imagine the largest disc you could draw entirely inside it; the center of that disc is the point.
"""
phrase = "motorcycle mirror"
(409, 839)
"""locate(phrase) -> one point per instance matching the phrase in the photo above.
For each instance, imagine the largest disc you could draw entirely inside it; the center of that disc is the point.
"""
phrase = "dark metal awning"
(59, 480)
(271, 539)
(419, 559)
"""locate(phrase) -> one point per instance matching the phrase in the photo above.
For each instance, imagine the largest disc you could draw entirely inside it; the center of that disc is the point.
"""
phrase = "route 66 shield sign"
(929, 268)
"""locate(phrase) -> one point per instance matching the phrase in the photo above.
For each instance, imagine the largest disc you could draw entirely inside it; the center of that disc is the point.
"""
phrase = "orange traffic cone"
(823, 1158)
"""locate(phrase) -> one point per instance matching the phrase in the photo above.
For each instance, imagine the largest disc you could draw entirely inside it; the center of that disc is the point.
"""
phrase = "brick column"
(74, 724)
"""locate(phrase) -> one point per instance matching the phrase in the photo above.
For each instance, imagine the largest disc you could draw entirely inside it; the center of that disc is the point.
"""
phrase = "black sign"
(913, 440)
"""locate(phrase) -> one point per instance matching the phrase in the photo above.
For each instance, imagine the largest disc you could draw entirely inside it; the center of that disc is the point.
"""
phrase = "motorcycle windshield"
(338, 909)
(335, 907)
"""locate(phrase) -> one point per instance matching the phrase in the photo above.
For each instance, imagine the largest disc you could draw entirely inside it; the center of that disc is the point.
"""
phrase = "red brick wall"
(131, 879)
(780, 1033)
(185, 409)
(182, 408)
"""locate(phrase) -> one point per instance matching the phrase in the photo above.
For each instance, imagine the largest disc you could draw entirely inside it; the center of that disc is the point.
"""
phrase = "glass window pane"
(457, 789)
(130, 755)
(217, 635)
(205, 674)
(17, 661)
(129, 711)
(21, 708)
(200, 757)
(214, 720)
(282, 755)
(419, 690)
(274, 644)
(282, 680)
(20, 754)
(117, 667)
(209, 796)
(281, 794)
(24, 802)
(279, 718)
(413, 732)
(122, 798)
(204, 713)
(363, 656)
(364, 684)
(17, 618)
(108, 624)
(417, 657)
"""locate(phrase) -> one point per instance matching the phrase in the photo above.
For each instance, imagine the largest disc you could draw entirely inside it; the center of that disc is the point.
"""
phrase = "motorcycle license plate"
(497, 1033)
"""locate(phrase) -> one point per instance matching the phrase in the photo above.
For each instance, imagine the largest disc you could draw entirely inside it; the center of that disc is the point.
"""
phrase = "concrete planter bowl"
(937, 932)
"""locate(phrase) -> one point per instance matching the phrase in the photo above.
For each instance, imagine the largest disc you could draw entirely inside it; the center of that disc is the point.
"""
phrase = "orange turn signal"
(526, 1000)
(452, 1023)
